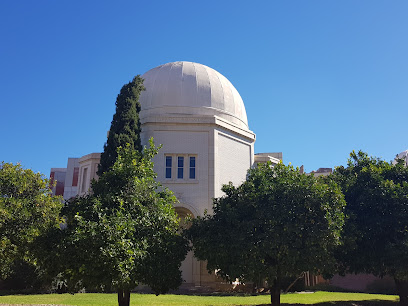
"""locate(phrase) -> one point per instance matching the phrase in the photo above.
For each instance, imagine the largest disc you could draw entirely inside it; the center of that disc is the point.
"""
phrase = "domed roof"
(403, 155)
(186, 88)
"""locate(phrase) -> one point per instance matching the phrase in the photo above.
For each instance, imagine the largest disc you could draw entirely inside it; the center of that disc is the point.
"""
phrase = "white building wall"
(88, 166)
(70, 188)
(234, 156)
(223, 153)
(192, 193)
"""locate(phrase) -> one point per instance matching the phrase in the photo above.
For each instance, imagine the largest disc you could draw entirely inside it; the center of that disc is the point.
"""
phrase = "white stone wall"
(88, 166)
(233, 156)
(69, 190)
(192, 193)
(224, 152)
(222, 155)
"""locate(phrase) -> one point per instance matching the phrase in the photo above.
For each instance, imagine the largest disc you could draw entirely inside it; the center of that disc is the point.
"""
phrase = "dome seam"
(154, 84)
(182, 80)
(209, 82)
(196, 83)
(222, 87)
(167, 82)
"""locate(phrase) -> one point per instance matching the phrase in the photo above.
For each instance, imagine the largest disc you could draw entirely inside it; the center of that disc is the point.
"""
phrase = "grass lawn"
(319, 298)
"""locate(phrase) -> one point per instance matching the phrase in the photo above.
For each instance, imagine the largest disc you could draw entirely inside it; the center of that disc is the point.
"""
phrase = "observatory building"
(200, 119)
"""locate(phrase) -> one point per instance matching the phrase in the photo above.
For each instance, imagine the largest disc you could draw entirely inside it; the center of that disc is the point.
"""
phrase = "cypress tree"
(125, 126)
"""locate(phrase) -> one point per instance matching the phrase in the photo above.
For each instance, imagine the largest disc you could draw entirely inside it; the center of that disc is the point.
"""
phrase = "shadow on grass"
(21, 292)
(342, 303)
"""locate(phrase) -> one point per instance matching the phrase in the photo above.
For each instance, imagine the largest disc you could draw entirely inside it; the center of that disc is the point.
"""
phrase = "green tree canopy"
(125, 126)
(376, 232)
(125, 234)
(27, 209)
(278, 223)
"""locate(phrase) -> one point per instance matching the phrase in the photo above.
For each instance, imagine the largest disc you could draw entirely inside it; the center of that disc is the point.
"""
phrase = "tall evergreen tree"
(125, 126)
(125, 233)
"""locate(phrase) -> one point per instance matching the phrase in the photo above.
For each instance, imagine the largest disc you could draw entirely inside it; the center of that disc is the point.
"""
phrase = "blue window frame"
(168, 167)
(180, 167)
(192, 167)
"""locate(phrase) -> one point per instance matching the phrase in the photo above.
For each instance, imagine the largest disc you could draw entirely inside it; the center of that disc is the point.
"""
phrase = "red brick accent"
(75, 177)
(59, 190)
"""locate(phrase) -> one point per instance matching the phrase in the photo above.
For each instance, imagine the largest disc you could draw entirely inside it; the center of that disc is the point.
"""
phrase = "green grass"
(318, 298)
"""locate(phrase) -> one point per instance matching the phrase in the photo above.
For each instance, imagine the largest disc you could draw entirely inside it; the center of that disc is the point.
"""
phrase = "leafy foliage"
(125, 127)
(376, 233)
(125, 234)
(27, 209)
(277, 224)
(25, 277)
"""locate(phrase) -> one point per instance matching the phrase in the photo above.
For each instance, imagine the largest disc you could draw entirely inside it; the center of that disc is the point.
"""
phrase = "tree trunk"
(402, 289)
(302, 275)
(275, 293)
(123, 297)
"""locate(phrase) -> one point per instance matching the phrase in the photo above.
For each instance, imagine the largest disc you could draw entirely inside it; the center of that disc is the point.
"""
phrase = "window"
(75, 176)
(168, 167)
(192, 167)
(184, 169)
(180, 167)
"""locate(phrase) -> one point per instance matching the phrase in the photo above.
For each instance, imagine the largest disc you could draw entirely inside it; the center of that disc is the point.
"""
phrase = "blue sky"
(318, 78)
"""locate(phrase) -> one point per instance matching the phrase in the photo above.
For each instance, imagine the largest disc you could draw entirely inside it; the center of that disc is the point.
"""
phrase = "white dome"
(186, 88)
(403, 155)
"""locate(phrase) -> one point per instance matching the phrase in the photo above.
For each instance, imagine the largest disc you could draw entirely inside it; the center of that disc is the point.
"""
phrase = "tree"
(124, 234)
(376, 232)
(27, 209)
(125, 126)
(277, 224)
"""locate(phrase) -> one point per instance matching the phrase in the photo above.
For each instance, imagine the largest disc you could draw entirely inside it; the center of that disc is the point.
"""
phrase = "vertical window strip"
(84, 179)
(180, 167)
(192, 167)
(168, 167)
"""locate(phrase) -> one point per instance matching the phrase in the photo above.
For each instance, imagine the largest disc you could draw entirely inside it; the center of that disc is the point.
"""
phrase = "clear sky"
(318, 78)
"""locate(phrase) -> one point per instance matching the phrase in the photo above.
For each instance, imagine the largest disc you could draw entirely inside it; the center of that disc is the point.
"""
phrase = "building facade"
(199, 118)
